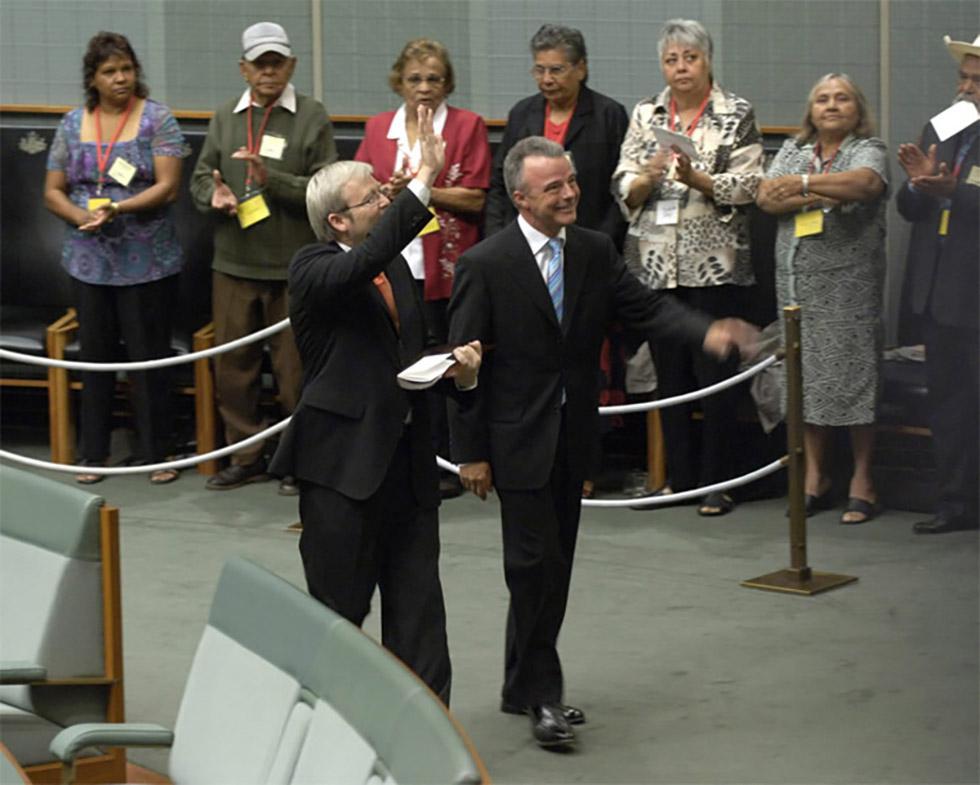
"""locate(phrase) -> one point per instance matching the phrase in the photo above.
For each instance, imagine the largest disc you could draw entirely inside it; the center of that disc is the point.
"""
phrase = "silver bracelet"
(805, 191)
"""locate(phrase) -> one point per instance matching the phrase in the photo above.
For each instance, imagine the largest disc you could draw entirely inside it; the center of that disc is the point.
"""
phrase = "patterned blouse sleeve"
(58, 154)
(782, 163)
(739, 182)
(632, 155)
(168, 141)
(871, 154)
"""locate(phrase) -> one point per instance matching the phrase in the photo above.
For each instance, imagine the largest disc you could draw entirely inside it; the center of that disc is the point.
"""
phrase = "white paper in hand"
(667, 139)
(951, 121)
(425, 372)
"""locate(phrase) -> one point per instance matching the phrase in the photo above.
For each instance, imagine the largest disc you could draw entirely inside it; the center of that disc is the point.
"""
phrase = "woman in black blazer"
(587, 124)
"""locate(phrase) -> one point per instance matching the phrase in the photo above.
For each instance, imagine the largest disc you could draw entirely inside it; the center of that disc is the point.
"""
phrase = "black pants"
(693, 461)
(539, 532)
(952, 371)
(350, 546)
(437, 332)
(141, 316)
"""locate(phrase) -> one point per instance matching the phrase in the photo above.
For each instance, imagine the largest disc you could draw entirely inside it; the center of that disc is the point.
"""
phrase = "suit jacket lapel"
(383, 324)
(575, 267)
(534, 124)
(581, 117)
(521, 265)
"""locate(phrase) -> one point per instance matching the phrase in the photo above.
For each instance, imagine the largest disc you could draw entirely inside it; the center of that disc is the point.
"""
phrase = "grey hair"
(325, 194)
(527, 147)
(686, 31)
(560, 37)
(865, 126)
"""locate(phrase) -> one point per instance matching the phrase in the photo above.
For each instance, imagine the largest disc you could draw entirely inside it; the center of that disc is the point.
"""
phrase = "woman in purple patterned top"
(113, 170)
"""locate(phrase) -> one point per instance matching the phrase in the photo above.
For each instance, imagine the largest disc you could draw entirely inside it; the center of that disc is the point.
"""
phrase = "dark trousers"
(952, 370)
(437, 332)
(693, 461)
(539, 532)
(350, 546)
(141, 317)
(241, 307)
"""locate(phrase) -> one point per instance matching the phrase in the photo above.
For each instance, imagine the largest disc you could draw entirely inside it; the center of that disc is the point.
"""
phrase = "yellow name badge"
(944, 223)
(974, 177)
(96, 202)
(122, 171)
(809, 223)
(431, 226)
(252, 210)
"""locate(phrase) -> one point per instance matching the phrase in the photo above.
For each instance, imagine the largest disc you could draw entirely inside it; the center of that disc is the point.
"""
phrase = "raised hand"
(223, 198)
(256, 166)
(656, 166)
(432, 145)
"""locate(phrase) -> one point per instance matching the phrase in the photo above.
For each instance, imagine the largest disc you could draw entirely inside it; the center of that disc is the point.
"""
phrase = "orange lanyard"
(253, 146)
(694, 122)
(824, 167)
(103, 160)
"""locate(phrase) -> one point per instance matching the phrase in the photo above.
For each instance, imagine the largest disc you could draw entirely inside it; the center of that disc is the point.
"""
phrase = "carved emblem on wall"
(32, 143)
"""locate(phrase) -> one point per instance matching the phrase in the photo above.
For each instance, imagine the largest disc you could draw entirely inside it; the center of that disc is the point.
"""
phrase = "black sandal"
(89, 478)
(716, 503)
(867, 510)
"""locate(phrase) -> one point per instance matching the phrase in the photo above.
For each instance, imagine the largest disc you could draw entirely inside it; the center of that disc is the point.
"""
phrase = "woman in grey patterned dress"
(829, 186)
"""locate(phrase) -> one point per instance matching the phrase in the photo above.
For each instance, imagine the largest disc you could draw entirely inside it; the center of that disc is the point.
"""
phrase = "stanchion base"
(799, 581)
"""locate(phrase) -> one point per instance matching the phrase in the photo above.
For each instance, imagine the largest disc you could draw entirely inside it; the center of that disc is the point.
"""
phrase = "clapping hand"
(223, 199)
(924, 174)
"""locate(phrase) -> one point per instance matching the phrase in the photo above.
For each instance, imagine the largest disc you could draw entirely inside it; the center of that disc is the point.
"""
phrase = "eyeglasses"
(415, 80)
(372, 199)
(539, 71)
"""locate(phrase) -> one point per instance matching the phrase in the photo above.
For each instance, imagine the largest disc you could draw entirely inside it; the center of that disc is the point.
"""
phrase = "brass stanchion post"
(798, 578)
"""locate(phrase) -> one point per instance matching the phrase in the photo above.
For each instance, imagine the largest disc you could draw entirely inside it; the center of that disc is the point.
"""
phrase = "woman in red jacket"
(423, 75)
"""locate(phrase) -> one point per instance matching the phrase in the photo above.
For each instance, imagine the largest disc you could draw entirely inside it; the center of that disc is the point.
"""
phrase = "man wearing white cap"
(260, 152)
(941, 199)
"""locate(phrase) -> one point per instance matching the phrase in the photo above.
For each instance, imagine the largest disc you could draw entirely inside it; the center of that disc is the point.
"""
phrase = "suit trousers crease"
(540, 528)
(242, 306)
(952, 368)
(141, 316)
(350, 546)
(694, 460)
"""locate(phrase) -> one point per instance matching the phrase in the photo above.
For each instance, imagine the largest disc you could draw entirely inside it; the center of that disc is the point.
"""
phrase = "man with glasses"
(359, 445)
(258, 156)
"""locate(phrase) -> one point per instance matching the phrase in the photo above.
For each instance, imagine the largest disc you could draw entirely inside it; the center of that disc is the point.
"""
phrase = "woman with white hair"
(828, 186)
(688, 233)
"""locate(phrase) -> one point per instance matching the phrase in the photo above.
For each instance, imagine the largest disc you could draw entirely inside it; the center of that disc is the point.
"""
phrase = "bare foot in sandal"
(89, 478)
(163, 476)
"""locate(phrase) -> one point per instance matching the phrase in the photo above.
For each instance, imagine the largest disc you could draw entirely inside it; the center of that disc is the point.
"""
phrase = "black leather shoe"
(549, 727)
(942, 525)
(288, 486)
(237, 476)
(572, 714)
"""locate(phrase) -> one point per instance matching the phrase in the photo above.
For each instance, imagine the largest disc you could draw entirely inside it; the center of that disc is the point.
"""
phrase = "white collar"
(287, 100)
(535, 239)
(397, 128)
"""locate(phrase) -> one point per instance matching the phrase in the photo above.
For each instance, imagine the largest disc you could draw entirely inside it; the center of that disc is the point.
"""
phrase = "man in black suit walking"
(358, 444)
(942, 200)
(543, 291)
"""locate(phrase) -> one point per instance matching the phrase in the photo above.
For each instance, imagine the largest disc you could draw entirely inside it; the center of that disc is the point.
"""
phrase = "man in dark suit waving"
(358, 444)
(542, 291)
(941, 198)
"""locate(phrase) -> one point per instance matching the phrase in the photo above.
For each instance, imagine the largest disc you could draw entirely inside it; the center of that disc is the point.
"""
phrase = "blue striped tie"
(556, 281)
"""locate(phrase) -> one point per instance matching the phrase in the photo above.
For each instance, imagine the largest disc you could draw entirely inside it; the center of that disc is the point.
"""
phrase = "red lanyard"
(694, 122)
(824, 167)
(103, 160)
(253, 146)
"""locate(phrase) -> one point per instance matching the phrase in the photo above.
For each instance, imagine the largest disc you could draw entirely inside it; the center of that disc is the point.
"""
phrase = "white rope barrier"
(145, 365)
(667, 498)
(704, 392)
(150, 467)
